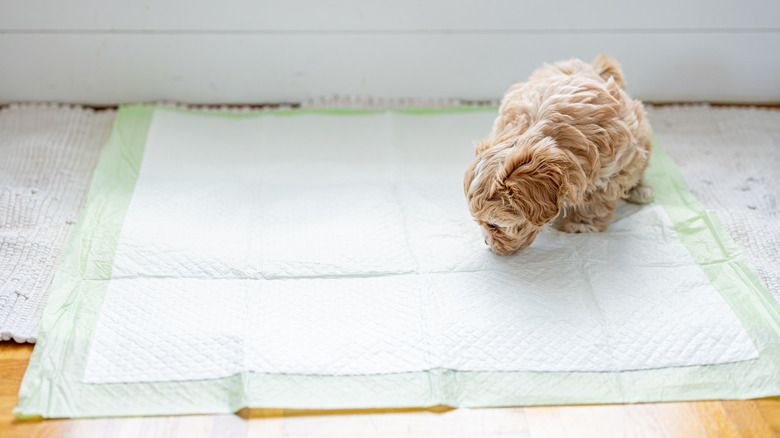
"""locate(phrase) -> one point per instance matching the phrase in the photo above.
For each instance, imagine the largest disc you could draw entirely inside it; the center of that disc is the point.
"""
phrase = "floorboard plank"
(747, 418)
(770, 409)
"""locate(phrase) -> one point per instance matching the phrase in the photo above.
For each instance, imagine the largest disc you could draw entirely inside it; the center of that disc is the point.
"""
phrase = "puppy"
(569, 142)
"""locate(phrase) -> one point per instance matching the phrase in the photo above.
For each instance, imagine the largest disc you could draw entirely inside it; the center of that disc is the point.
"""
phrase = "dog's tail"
(607, 67)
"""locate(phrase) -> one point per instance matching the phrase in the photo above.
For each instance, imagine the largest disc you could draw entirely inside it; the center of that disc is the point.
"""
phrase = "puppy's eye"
(491, 226)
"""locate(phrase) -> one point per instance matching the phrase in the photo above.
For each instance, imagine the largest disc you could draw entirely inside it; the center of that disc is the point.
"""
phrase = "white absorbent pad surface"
(338, 246)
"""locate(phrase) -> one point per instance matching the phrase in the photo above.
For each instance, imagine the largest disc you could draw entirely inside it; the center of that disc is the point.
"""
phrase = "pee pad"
(316, 259)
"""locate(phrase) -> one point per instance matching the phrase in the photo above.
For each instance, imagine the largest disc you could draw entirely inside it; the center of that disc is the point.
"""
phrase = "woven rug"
(47, 153)
(729, 157)
(324, 259)
(731, 160)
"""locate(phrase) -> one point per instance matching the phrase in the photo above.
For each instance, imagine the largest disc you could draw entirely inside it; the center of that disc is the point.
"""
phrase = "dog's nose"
(486, 242)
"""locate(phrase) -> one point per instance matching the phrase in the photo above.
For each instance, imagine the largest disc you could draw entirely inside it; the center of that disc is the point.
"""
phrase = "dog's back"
(568, 139)
(586, 110)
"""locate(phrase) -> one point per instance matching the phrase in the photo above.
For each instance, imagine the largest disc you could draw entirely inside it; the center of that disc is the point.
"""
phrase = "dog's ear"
(607, 67)
(536, 183)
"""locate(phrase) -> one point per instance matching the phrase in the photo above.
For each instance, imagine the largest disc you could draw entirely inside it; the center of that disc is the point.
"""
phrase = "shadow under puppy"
(569, 142)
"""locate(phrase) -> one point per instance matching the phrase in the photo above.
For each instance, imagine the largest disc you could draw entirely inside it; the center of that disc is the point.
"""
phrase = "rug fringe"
(368, 102)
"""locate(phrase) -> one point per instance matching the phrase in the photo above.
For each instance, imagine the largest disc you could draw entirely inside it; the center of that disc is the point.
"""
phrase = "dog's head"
(514, 186)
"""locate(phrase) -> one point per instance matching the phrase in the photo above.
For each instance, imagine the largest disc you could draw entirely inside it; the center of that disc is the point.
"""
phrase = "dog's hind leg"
(591, 216)
(641, 193)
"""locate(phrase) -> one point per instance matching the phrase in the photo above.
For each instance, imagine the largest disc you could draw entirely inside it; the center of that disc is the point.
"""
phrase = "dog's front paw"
(641, 194)
(578, 227)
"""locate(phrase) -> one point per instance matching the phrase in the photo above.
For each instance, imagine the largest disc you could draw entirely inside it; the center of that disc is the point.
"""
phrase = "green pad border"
(52, 384)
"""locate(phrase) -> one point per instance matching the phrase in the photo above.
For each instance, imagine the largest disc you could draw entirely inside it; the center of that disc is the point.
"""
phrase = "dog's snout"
(486, 242)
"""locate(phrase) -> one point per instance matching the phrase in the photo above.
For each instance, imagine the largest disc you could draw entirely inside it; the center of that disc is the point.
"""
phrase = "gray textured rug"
(731, 160)
(730, 157)
(47, 154)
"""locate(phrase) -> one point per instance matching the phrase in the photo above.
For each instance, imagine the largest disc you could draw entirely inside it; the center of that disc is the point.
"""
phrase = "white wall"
(244, 51)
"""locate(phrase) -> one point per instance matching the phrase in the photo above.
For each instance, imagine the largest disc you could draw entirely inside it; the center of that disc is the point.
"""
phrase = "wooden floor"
(745, 418)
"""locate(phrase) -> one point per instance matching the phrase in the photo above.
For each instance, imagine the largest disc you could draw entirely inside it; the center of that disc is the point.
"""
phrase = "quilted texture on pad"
(263, 259)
